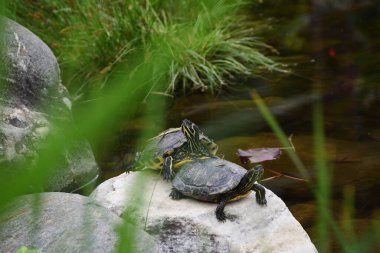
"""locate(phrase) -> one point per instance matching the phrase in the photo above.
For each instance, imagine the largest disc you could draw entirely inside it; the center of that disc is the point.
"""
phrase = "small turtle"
(173, 148)
(217, 180)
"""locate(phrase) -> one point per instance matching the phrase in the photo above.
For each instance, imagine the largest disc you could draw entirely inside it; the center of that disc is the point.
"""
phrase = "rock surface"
(188, 225)
(63, 223)
(32, 73)
(31, 98)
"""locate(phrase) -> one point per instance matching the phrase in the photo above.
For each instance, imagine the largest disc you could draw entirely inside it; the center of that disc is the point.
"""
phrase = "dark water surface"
(334, 46)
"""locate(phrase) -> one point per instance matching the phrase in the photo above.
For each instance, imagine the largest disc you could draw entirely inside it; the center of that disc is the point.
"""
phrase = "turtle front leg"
(175, 194)
(219, 212)
(167, 168)
(260, 194)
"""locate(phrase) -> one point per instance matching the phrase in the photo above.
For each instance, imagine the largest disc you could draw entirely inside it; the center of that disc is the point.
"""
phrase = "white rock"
(188, 225)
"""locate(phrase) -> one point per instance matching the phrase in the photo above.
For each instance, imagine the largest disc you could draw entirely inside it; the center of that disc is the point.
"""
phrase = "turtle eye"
(194, 129)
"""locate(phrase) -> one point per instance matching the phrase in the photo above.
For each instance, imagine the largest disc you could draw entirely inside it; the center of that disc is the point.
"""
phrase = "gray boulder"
(31, 99)
(188, 225)
(63, 222)
(31, 71)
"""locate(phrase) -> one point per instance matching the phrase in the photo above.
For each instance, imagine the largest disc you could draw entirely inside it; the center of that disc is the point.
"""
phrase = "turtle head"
(191, 132)
(256, 172)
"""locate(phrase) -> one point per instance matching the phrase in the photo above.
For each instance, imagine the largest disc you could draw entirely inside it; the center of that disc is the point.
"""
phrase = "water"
(333, 46)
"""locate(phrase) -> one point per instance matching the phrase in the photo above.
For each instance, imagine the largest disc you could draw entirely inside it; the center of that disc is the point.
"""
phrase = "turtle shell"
(168, 140)
(206, 179)
(157, 146)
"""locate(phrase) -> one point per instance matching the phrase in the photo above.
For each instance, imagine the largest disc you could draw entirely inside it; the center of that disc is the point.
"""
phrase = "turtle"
(217, 180)
(173, 148)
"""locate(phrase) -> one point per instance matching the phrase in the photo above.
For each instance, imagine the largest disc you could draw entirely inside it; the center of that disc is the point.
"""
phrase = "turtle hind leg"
(219, 212)
(260, 194)
(167, 168)
(175, 194)
(133, 166)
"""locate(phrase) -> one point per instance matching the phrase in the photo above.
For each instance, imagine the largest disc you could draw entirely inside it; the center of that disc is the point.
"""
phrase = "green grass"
(92, 39)
(323, 195)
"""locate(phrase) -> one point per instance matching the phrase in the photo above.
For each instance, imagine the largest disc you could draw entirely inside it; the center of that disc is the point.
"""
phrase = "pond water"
(334, 46)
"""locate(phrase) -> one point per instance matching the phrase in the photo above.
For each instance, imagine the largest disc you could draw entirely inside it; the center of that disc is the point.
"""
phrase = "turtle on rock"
(173, 148)
(217, 180)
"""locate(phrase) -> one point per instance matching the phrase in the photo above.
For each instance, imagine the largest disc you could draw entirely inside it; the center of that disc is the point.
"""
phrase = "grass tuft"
(211, 43)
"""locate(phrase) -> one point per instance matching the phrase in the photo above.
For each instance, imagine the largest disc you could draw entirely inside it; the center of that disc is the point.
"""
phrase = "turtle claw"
(261, 202)
(219, 212)
(175, 195)
(221, 217)
(130, 167)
